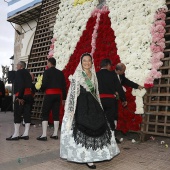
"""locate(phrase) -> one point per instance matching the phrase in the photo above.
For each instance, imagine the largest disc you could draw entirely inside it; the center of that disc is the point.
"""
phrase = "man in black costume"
(22, 103)
(109, 86)
(33, 89)
(54, 85)
(119, 74)
(2, 92)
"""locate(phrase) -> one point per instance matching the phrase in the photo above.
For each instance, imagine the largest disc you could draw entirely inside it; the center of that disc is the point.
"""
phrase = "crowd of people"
(91, 108)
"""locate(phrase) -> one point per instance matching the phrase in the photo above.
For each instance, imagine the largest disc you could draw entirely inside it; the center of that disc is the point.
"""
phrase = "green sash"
(89, 83)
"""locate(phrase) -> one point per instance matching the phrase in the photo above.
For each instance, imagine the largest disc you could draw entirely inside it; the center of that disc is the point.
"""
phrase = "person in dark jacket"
(22, 103)
(33, 89)
(54, 85)
(120, 76)
(2, 92)
(119, 73)
(109, 86)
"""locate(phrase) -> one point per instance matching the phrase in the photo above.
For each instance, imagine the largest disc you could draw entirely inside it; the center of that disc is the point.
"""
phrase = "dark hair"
(86, 54)
(119, 67)
(105, 62)
(52, 61)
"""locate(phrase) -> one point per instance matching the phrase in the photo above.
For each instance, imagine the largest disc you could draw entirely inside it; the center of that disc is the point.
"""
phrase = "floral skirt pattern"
(76, 153)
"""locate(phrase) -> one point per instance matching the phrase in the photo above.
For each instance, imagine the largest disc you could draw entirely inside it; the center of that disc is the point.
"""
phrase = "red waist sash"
(0, 93)
(107, 95)
(53, 91)
(27, 91)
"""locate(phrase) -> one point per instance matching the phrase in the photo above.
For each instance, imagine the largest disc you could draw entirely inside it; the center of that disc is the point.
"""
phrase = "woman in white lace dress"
(85, 134)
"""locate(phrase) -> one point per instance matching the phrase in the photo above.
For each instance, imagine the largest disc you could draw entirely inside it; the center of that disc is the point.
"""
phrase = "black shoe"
(42, 138)
(117, 141)
(32, 124)
(92, 166)
(10, 138)
(54, 137)
(24, 137)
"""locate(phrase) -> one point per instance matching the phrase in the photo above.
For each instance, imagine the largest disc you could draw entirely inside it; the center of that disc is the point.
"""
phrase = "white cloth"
(72, 152)
(27, 127)
(44, 128)
(16, 130)
(56, 125)
(74, 90)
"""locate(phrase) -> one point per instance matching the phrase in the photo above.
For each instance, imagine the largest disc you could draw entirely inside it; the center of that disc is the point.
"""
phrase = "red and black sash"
(107, 96)
(27, 91)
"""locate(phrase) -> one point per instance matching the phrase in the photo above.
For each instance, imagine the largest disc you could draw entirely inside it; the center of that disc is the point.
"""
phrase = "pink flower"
(152, 29)
(154, 60)
(99, 11)
(160, 22)
(50, 54)
(158, 55)
(51, 47)
(158, 75)
(93, 43)
(162, 45)
(53, 40)
(155, 48)
(95, 12)
(158, 45)
(155, 74)
(157, 65)
(149, 80)
(158, 40)
(104, 9)
(165, 9)
(160, 29)
(155, 39)
(158, 35)
(160, 16)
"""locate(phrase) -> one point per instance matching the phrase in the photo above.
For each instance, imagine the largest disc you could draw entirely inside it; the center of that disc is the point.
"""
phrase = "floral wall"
(131, 32)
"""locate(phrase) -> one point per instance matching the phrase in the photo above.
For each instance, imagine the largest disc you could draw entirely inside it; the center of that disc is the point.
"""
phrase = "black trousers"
(51, 103)
(0, 101)
(23, 110)
(110, 110)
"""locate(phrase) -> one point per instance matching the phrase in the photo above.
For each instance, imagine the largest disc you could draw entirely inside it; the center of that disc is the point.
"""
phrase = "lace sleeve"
(71, 101)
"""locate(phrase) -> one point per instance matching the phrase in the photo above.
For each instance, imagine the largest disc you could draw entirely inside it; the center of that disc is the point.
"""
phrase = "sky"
(6, 37)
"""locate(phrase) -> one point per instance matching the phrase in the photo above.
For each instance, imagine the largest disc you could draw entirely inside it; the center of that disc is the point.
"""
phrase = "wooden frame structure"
(40, 47)
(156, 120)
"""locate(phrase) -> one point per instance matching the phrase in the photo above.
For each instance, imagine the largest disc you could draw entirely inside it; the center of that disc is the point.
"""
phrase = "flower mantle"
(136, 38)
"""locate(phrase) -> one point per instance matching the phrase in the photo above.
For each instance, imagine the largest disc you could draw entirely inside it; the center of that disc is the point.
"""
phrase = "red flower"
(105, 48)
(148, 85)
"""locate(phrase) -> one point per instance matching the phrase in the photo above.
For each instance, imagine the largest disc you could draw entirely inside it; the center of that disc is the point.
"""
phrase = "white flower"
(131, 24)
(70, 77)
(139, 111)
(133, 141)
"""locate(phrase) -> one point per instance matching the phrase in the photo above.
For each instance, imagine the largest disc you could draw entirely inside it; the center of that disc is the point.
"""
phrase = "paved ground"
(37, 155)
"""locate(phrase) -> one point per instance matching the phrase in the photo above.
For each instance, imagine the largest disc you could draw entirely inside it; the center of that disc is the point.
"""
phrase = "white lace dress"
(72, 151)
